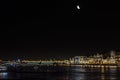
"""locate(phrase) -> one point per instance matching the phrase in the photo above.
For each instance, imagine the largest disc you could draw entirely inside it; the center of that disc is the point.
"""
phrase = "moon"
(78, 7)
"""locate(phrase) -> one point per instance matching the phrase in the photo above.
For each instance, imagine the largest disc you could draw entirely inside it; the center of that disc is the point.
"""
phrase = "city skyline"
(113, 58)
(49, 57)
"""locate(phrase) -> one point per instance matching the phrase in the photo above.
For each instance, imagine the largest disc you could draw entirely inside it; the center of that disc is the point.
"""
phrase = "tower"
(77, 60)
(112, 54)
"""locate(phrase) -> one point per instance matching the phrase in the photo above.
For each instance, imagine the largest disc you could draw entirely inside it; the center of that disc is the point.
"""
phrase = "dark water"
(75, 73)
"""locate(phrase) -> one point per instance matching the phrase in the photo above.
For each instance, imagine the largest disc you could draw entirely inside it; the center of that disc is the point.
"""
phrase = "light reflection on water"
(77, 73)
(110, 73)
(4, 75)
(77, 76)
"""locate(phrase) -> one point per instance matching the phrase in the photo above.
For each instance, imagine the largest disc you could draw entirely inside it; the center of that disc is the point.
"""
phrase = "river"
(75, 73)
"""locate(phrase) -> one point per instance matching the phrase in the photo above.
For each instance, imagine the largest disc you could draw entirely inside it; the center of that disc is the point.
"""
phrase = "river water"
(75, 73)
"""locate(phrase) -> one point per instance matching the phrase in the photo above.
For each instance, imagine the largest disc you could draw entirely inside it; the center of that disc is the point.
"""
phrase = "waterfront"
(74, 73)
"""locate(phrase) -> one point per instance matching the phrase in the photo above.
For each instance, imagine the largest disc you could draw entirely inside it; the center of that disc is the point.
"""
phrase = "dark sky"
(57, 29)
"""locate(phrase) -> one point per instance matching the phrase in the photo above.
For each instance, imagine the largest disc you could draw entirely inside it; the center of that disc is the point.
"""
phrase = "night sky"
(57, 29)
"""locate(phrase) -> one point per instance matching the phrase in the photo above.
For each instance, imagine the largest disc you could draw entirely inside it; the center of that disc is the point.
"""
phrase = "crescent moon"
(78, 7)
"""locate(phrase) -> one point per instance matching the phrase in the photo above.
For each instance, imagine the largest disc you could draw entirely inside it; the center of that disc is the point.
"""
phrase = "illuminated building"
(112, 54)
(76, 60)
(113, 58)
(98, 58)
(80, 60)
(117, 57)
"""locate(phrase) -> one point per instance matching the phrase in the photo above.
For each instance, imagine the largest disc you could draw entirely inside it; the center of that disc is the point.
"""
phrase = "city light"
(112, 58)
